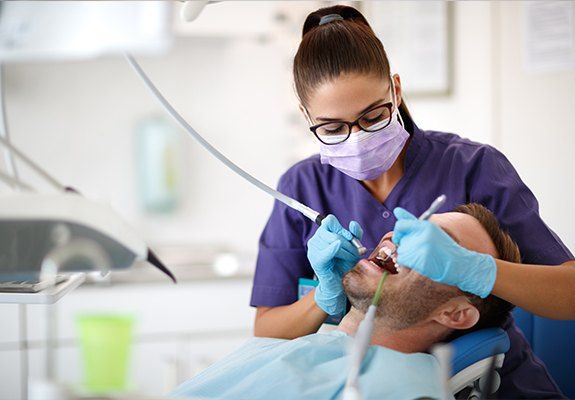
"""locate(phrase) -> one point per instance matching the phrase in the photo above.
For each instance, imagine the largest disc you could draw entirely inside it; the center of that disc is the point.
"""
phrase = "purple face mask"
(367, 155)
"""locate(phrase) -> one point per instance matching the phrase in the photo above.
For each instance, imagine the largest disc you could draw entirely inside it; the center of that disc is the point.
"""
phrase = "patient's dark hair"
(493, 310)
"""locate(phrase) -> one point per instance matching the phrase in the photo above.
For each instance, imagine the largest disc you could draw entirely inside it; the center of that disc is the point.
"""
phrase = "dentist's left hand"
(332, 255)
(427, 249)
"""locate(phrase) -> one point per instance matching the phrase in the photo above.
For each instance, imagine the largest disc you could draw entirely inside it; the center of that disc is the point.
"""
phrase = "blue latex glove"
(427, 249)
(332, 255)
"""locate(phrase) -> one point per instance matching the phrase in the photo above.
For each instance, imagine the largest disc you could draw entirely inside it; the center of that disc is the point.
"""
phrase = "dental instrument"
(360, 344)
(28, 219)
(288, 201)
(35, 225)
(436, 205)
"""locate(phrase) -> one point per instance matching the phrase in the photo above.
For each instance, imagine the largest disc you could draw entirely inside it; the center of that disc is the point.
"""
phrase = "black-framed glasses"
(336, 132)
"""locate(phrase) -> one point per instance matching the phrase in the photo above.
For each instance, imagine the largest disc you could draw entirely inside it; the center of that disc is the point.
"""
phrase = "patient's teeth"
(385, 250)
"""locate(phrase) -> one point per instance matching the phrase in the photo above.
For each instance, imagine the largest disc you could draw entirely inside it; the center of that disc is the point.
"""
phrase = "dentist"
(374, 163)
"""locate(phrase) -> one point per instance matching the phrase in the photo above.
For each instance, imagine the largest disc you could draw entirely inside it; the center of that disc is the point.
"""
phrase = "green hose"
(379, 290)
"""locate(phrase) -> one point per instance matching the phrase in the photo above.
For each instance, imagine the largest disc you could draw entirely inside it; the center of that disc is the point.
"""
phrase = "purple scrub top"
(435, 163)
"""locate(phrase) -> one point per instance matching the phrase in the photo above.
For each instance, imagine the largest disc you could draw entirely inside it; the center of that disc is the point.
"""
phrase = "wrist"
(330, 302)
(482, 271)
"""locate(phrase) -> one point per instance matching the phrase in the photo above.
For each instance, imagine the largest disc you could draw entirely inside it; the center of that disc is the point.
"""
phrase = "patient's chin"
(359, 289)
(406, 300)
(357, 281)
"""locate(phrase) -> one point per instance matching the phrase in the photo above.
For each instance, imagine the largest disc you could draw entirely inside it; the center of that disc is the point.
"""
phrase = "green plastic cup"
(105, 343)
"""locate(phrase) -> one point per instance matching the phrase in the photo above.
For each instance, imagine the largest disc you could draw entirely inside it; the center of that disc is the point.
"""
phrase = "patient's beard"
(401, 306)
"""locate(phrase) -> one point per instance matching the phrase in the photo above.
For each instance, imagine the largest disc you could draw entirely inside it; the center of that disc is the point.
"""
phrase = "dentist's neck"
(410, 340)
(382, 186)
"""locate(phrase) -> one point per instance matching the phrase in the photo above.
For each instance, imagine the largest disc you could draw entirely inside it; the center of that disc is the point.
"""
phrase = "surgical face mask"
(366, 155)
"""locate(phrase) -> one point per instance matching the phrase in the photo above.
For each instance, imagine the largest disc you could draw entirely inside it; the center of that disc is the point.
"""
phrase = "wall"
(536, 123)
(495, 100)
(78, 119)
(473, 86)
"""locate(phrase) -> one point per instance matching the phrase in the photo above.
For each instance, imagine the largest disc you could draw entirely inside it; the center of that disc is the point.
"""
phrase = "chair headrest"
(476, 346)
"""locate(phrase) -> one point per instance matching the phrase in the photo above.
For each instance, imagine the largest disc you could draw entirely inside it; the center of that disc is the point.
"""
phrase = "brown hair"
(493, 310)
(335, 48)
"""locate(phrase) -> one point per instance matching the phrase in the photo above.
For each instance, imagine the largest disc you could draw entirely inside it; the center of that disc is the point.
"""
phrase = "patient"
(414, 313)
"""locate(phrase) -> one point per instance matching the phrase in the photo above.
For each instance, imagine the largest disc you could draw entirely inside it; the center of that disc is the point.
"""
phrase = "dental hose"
(362, 339)
(361, 344)
(288, 201)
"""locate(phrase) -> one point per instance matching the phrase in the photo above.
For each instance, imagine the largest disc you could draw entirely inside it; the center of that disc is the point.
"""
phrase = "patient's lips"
(388, 264)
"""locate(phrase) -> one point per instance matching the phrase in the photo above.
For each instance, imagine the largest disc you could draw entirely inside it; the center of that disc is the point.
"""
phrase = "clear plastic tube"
(9, 158)
(288, 201)
(25, 159)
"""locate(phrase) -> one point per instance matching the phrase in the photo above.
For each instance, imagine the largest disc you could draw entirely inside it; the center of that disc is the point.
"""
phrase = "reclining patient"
(414, 313)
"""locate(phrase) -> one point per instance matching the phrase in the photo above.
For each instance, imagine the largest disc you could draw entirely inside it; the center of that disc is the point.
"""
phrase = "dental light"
(192, 9)
(34, 225)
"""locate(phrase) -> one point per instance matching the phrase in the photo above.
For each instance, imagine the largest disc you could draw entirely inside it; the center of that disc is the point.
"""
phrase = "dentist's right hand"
(332, 255)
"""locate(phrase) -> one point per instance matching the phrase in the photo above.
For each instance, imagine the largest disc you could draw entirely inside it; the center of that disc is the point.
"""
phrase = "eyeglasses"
(336, 132)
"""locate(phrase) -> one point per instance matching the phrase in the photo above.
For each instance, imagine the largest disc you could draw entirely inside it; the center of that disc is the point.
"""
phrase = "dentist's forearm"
(548, 291)
(289, 322)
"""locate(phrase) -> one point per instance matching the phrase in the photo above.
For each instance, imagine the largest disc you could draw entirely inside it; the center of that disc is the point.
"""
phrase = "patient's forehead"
(467, 231)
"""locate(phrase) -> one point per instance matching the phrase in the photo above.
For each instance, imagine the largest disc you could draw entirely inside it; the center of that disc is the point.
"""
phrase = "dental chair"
(474, 356)
(551, 341)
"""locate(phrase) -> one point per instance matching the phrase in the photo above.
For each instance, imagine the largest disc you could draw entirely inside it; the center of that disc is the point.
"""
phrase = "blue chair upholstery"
(473, 356)
(477, 346)
(554, 343)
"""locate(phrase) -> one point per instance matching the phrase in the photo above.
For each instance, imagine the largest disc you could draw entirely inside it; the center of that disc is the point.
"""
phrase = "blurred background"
(501, 73)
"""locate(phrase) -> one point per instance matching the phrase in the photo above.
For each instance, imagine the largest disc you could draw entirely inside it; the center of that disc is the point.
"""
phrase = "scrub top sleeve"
(496, 184)
(282, 257)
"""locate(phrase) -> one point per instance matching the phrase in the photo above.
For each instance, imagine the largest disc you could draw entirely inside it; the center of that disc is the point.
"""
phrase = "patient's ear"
(457, 313)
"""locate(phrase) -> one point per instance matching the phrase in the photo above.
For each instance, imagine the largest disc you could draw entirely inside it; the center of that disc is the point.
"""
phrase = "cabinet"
(179, 330)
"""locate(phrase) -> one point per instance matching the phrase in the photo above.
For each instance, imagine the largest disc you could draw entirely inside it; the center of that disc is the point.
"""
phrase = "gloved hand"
(332, 255)
(427, 249)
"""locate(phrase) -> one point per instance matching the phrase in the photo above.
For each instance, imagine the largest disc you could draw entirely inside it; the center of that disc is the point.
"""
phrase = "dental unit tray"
(42, 235)
(68, 231)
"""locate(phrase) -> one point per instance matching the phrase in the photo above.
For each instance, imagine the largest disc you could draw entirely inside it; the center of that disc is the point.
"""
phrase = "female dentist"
(374, 158)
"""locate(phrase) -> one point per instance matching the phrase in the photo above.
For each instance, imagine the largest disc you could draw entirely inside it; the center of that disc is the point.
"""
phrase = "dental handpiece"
(288, 201)
(355, 241)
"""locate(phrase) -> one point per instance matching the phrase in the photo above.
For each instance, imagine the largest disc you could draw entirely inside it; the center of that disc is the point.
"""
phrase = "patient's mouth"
(385, 259)
(387, 265)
